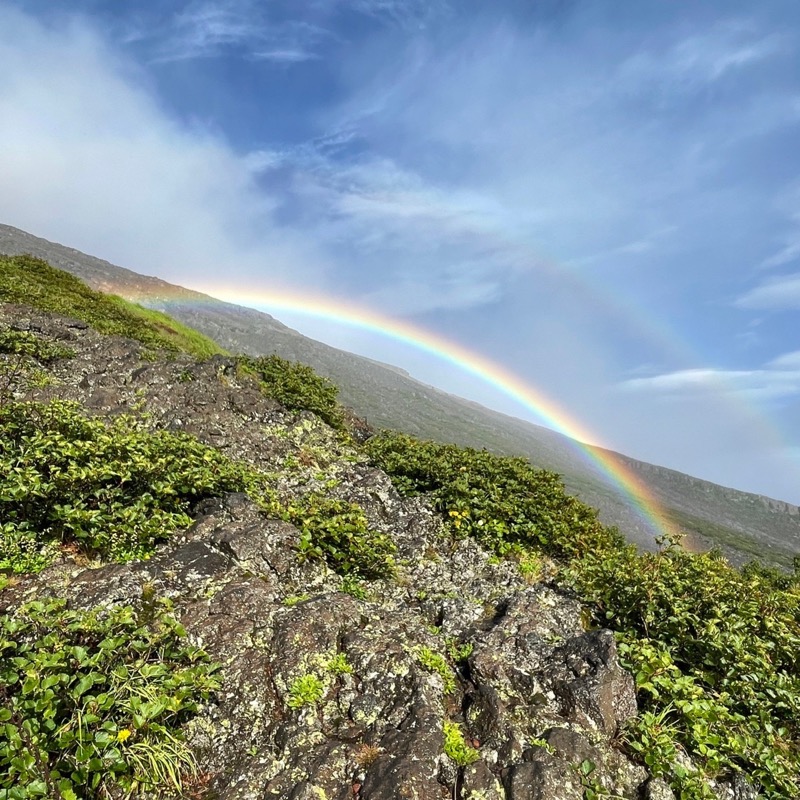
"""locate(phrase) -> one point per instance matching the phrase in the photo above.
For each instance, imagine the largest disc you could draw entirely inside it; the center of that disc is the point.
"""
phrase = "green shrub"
(114, 489)
(296, 386)
(337, 532)
(92, 700)
(501, 501)
(30, 281)
(25, 343)
(714, 654)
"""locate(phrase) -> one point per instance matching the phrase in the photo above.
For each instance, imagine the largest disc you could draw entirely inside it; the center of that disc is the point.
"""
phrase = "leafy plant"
(25, 343)
(456, 747)
(436, 662)
(338, 533)
(114, 490)
(339, 665)
(459, 653)
(354, 587)
(305, 691)
(714, 654)
(95, 699)
(501, 501)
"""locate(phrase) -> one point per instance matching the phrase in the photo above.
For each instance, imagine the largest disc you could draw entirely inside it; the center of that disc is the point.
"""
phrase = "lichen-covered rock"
(588, 680)
(656, 789)
(479, 783)
(736, 788)
(543, 777)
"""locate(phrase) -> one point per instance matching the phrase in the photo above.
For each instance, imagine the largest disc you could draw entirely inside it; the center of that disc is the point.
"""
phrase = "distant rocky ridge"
(742, 524)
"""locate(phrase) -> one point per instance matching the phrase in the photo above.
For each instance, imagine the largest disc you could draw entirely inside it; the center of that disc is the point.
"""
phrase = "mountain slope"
(744, 525)
(231, 599)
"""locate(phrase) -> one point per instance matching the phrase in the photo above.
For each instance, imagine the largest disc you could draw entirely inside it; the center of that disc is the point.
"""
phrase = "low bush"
(714, 654)
(501, 501)
(337, 532)
(29, 345)
(296, 386)
(95, 700)
(111, 490)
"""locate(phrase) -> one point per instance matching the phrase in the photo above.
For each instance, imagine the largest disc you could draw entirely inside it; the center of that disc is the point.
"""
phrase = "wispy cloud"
(457, 291)
(648, 243)
(788, 253)
(788, 205)
(79, 126)
(776, 293)
(212, 27)
(284, 55)
(778, 379)
(726, 48)
(694, 61)
(438, 247)
(207, 28)
(790, 361)
(404, 12)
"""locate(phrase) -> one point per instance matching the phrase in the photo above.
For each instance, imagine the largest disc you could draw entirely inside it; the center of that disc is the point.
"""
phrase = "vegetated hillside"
(743, 525)
(24, 279)
(209, 588)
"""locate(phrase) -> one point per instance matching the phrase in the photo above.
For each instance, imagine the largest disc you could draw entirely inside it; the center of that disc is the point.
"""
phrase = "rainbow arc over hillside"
(470, 362)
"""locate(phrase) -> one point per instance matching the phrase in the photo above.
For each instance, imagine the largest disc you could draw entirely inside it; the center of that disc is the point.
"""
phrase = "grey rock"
(735, 787)
(545, 778)
(571, 745)
(656, 789)
(591, 684)
(479, 783)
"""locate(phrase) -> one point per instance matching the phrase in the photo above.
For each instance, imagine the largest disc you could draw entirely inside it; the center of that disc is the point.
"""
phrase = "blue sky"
(603, 197)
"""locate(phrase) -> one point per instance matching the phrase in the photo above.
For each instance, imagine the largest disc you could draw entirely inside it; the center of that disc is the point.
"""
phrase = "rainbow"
(470, 362)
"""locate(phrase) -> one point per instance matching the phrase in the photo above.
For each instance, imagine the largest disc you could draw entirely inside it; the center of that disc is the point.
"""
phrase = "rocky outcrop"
(532, 697)
(330, 695)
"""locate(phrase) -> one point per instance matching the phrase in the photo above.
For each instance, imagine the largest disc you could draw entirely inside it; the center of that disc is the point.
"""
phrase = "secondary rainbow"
(470, 362)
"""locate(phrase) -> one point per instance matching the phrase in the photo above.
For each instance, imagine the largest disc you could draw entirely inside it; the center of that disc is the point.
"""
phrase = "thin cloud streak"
(779, 379)
(781, 293)
(209, 29)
